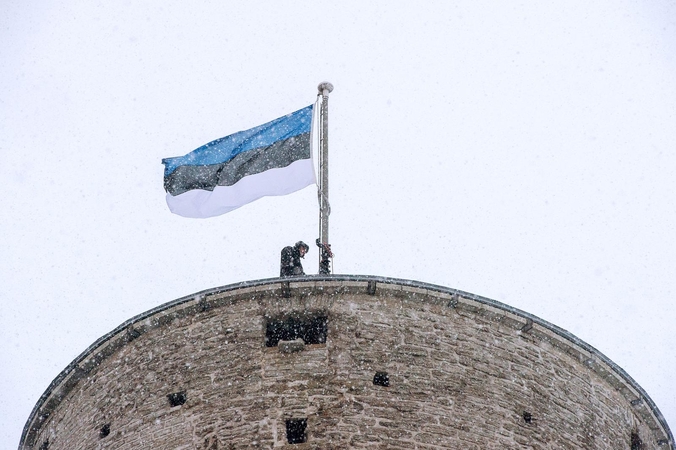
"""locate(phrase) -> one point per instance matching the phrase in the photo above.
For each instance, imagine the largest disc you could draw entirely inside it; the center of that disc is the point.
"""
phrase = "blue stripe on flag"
(226, 148)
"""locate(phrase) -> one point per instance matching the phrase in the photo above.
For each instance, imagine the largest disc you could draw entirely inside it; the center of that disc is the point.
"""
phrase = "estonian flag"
(271, 159)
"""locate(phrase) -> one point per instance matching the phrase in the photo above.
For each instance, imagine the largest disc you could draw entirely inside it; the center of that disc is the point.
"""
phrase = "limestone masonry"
(342, 362)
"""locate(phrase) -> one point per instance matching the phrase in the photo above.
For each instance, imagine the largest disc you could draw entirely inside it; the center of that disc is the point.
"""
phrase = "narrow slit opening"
(381, 379)
(295, 431)
(177, 398)
(104, 431)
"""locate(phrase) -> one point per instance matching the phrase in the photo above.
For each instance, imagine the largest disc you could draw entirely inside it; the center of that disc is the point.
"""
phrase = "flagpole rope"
(317, 112)
(327, 207)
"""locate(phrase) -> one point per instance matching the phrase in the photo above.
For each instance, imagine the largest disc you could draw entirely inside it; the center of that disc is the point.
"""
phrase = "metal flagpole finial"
(325, 88)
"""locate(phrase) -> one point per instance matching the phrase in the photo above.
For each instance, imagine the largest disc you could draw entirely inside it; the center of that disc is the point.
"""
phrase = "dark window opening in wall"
(104, 431)
(295, 431)
(311, 329)
(45, 445)
(527, 417)
(381, 379)
(636, 442)
(177, 398)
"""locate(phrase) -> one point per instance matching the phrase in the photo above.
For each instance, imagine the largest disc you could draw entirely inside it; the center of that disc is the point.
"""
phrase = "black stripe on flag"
(278, 155)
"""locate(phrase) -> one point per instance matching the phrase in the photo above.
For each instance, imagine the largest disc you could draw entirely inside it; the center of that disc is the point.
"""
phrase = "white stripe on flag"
(279, 181)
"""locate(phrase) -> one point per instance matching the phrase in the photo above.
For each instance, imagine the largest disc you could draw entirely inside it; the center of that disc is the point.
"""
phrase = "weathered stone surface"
(460, 376)
(295, 346)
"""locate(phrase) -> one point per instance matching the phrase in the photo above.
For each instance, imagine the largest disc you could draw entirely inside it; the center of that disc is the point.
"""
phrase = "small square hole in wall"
(295, 431)
(104, 431)
(527, 417)
(381, 379)
(45, 445)
(177, 398)
(636, 442)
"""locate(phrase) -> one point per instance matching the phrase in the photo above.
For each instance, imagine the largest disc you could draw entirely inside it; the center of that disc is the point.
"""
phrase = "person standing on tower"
(290, 265)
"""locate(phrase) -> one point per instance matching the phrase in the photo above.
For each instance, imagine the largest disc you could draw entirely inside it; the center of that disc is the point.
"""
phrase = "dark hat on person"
(300, 244)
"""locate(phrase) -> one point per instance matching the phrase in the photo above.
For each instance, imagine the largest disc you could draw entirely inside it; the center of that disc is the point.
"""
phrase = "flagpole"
(324, 89)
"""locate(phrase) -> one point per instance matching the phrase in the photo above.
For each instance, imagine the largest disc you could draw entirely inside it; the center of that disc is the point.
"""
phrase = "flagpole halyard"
(324, 89)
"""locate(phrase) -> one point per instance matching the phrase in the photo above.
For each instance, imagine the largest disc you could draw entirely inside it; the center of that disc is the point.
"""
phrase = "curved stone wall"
(398, 364)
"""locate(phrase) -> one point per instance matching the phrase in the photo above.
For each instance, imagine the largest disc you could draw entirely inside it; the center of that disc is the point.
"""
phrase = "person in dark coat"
(290, 265)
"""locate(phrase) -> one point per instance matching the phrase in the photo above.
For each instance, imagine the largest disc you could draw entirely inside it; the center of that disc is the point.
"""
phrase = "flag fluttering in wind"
(271, 159)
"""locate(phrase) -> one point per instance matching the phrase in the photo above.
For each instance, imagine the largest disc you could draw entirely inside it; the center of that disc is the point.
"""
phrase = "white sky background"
(522, 152)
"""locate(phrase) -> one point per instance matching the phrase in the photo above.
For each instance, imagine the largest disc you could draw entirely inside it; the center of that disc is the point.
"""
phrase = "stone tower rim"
(59, 388)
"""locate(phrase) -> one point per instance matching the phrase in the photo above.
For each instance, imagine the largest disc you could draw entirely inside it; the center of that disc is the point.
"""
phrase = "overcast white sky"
(523, 152)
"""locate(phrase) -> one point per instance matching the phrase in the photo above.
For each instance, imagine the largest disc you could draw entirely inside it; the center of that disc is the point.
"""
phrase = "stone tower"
(342, 362)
